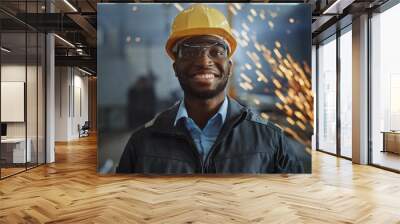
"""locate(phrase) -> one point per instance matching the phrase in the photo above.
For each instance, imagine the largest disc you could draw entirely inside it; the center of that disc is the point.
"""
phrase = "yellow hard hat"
(200, 19)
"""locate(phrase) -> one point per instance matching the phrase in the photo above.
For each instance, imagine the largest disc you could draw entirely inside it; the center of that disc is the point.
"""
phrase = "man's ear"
(230, 67)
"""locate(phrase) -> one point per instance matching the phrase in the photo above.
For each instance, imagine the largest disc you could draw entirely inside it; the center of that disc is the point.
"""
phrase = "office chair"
(84, 130)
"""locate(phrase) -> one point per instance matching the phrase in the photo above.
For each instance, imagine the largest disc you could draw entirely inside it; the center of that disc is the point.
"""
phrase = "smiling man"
(207, 132)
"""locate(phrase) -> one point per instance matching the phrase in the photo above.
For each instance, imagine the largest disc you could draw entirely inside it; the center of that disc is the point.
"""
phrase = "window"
(327, 96)
(346, 93)
(385, 89)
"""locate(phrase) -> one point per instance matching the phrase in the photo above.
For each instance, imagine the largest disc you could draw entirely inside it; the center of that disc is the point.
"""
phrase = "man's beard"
(203, 94)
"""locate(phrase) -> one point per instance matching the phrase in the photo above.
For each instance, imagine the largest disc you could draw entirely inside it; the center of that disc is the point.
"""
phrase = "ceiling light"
(65, 41)
(5, 50)
(337, 7)
(331, 7)
(71, 6)
(84, 71)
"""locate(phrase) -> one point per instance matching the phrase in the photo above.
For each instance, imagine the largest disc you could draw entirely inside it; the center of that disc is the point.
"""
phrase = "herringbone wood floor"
(70, 191)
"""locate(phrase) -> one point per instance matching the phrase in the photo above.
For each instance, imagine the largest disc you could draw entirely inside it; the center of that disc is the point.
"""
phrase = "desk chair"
(84, 130)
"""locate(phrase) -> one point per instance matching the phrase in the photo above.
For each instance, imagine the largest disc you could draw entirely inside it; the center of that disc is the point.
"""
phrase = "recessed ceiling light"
(84, 71)
(64, 40)
(71, 6)
(5, 50)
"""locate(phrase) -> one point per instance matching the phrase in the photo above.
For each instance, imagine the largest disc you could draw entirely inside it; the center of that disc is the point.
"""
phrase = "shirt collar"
(182, 112)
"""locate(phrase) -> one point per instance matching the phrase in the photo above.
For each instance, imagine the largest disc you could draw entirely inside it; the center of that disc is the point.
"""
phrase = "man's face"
(202, 66)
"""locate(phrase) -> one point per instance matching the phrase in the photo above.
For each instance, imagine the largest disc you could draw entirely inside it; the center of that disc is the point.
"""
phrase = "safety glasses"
(215, 51)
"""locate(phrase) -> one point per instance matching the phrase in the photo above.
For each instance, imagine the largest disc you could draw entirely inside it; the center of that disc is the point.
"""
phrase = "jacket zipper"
(205, 163)
(194, 149)
(218, 141)
(197, 154)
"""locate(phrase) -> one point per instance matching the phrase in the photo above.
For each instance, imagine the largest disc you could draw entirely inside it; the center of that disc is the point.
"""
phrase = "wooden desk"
(13, 150)
(391, 141)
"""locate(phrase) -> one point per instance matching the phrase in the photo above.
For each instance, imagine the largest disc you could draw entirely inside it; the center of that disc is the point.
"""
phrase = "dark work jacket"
(245, 144)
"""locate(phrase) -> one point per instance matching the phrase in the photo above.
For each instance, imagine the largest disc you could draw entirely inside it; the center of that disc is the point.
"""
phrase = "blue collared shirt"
(205, 138)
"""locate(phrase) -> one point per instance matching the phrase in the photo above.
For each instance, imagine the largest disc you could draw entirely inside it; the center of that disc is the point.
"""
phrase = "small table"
(15, 148)
(391, 141)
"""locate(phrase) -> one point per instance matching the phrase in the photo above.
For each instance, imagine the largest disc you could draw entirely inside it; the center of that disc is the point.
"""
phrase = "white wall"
(12, 73)
(16, 73)
(61, 103)
(80, 89)
(71, 87)
(33, 126)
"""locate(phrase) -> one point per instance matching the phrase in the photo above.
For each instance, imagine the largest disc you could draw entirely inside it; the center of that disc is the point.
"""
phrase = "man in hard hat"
(207, 132)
